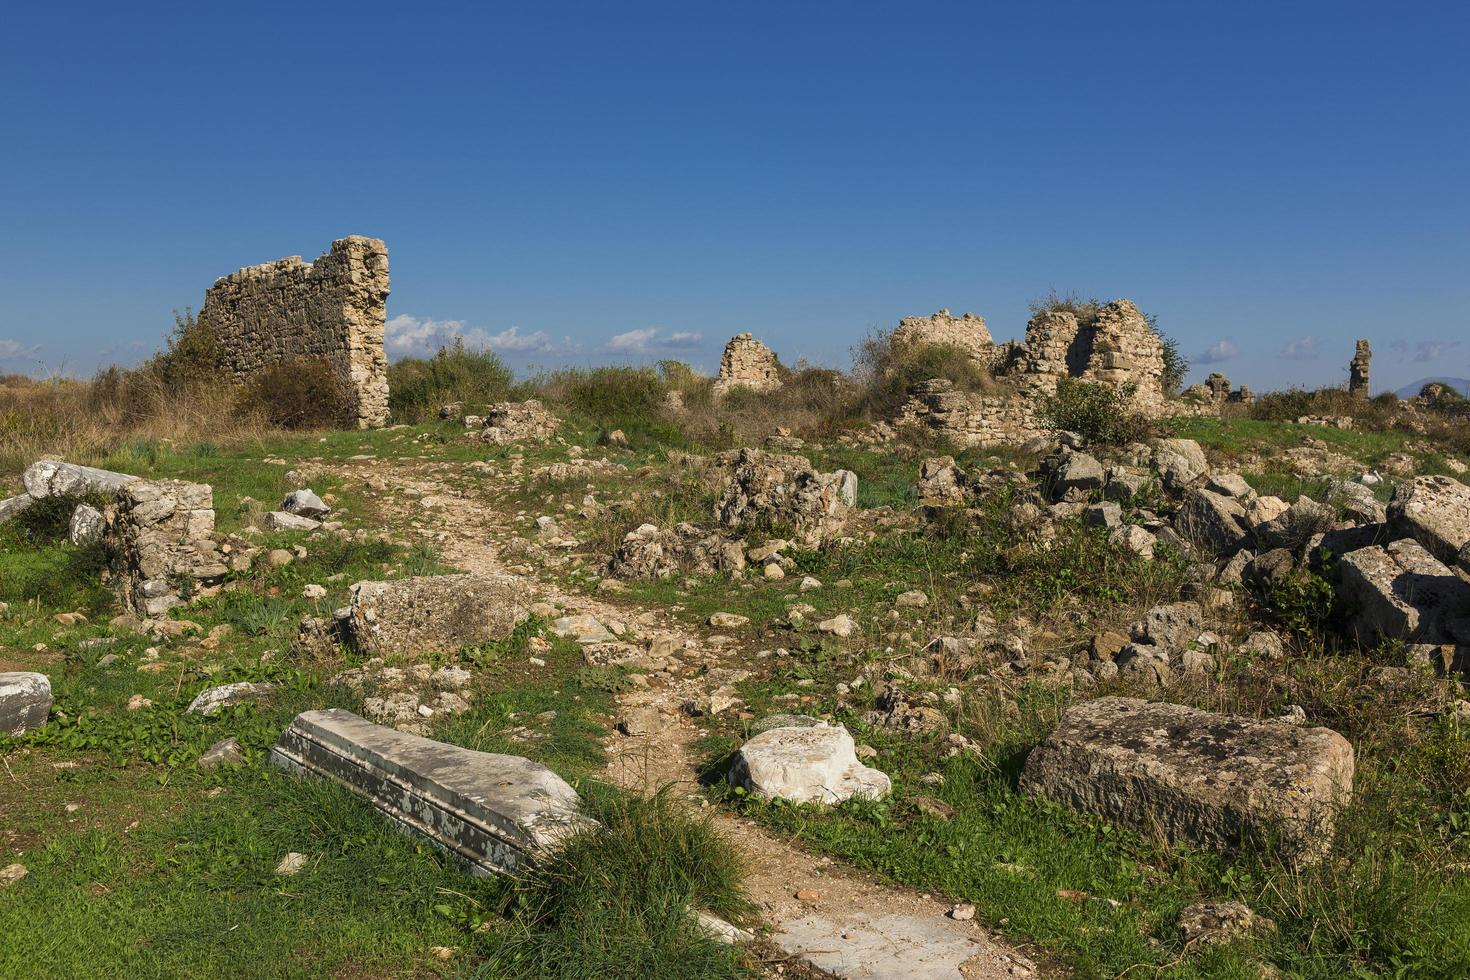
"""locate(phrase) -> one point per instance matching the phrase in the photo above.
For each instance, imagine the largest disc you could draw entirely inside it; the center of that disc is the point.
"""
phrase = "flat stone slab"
(498, 813)
(215, 699)
(25, 701)
(807, 761)
(887, 947)
(1196, 776)
(433, 613)
(53, 478)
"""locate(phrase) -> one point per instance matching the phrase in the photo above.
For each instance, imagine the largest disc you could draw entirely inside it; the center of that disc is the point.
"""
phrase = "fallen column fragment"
(497, 812)
(52, 478)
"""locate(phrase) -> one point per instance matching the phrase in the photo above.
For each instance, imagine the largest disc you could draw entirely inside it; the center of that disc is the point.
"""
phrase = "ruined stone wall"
(287, 310)
(1118, 347)
(163, 542)
(1358, 370)
(747, 363)
(968, 332)
(968, 419)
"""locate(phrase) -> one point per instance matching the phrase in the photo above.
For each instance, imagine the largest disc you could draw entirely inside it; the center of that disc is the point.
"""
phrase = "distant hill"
(1462, 385)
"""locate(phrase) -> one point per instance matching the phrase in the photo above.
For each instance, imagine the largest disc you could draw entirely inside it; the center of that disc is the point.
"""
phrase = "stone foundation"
(288, 310)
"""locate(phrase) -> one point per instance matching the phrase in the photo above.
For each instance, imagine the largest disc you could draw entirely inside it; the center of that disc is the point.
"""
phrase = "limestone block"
(1402, 592)
(215, 699)
(1212, 521)
(13, 506)
(305, 503)
(1435, 511)
(1180, 462)
(88, 526)
(499, 813)
(1211, 779)
(433, 613)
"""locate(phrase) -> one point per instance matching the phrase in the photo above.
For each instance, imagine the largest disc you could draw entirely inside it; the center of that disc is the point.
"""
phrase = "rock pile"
(650, 552)
(967, 333)
(774, 491)
(510, 422)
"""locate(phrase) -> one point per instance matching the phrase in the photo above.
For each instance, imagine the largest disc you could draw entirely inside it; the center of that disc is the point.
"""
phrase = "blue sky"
(599, 182)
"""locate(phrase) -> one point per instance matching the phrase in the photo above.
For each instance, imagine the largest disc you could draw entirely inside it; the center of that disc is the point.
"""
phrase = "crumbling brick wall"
(334, 308)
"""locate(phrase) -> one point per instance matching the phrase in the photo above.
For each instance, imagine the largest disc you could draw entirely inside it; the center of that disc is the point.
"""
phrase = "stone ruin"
(164, 545)
(333, 308)
(747, 363)
(968, 333)
(509, 422)
(1358, 370)
(1117, 346)
(1216, 392)
(158, 534)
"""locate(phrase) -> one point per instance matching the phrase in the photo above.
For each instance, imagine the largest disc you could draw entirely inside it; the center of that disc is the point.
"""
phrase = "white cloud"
(411, 335)
(632, 342)
(14, 349)
(1302, 349)
(648, 340)
(1221, 350)
(1433, 350)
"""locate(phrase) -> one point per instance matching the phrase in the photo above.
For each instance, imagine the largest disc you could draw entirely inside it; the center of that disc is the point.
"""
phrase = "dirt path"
(855, 927)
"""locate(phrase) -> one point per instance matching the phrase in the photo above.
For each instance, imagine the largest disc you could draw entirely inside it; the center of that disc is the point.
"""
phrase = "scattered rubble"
(512, 422)
(424, 614)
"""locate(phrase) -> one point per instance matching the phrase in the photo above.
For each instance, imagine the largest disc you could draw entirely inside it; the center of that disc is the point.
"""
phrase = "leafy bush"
(417, 386)
(303, 394)
(886, 371)
(1098, 412)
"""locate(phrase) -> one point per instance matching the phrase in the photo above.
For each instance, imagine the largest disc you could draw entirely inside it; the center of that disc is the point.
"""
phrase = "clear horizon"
(590, 186)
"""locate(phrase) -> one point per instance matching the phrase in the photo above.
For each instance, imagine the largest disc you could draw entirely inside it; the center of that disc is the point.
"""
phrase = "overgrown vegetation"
(418, 386)
(1098, 412)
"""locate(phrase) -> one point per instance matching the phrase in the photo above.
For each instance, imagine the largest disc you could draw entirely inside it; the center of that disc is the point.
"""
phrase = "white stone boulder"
(88, 526)
(280, 520)
(305, 503)
(806, 762)
(25, 701)
(13, 506)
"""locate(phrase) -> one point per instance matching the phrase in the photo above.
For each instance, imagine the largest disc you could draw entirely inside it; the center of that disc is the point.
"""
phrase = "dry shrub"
(302, 394)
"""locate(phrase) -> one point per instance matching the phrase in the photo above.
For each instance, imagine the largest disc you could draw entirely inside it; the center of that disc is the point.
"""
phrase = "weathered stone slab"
(53, 478)
(1435, 511)
(433, 613)
(13, 506)
(1180, 462)
(1401, 592)
(1212, 520)
(806, 763)
(25, 701)
(215, 699)
(499, 813)
(1196, 776)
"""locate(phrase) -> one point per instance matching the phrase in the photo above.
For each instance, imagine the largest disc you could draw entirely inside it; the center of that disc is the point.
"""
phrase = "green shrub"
(303, 394)
(612, 397)
(417, 386)
(1098, 412)
(886, 371)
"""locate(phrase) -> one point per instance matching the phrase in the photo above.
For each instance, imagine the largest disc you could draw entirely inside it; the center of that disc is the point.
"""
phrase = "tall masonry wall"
(334, 308)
